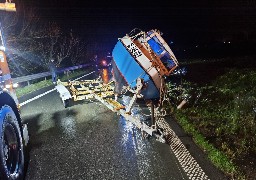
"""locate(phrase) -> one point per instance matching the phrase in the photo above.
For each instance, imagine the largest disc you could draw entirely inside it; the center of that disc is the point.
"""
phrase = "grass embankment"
(35, 86)
(221, 119)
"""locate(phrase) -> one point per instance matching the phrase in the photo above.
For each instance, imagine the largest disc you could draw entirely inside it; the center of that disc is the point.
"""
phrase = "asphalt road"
(88, 141)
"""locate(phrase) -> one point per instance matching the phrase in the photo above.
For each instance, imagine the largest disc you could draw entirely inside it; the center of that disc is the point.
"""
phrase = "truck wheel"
(11, 147)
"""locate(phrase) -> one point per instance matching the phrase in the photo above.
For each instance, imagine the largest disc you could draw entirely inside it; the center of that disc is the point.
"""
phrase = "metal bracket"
(137, 94)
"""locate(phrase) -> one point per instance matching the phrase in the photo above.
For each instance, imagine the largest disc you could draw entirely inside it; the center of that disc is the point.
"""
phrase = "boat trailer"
(140, 62)
(96, 89)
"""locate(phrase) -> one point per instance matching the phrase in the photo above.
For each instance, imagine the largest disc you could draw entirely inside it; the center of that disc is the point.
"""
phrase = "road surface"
(88, 141)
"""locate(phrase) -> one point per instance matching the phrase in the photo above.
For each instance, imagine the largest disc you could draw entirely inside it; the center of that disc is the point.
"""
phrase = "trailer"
(140, 62)
(104, 93)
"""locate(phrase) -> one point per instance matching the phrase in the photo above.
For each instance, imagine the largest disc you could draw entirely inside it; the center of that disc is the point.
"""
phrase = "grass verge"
(218, 158)
(221, 117)
(21, 91)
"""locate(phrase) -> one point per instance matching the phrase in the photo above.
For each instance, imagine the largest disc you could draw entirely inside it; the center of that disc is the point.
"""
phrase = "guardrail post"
(28, 83)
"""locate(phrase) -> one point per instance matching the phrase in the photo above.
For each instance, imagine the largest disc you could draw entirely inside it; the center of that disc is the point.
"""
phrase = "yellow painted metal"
(87, 89)
(105, 94)
(8, 6)
(115, 104)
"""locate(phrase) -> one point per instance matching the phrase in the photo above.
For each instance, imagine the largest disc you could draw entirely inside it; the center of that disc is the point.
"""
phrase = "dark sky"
(180, 21)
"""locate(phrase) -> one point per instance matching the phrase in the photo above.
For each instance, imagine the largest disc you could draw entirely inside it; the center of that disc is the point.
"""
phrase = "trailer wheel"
(11, 147)
(66, 103)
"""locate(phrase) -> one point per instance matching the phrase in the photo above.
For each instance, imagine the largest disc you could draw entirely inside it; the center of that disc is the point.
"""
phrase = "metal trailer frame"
(95, 89)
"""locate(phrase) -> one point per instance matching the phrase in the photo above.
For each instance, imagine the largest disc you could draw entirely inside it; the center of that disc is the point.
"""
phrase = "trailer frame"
(96, 89)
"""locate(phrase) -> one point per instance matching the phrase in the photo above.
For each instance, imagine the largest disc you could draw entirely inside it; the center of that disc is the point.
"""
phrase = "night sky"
(182, 22)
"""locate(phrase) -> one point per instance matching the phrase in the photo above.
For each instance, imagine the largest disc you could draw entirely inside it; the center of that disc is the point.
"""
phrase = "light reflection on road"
(68, 125)
(132, 141)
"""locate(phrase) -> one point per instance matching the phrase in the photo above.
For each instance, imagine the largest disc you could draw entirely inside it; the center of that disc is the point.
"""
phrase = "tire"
(66, 103)
(11, 146)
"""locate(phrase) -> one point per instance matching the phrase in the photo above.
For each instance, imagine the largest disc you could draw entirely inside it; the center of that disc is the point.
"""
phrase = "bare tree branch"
(32, 43)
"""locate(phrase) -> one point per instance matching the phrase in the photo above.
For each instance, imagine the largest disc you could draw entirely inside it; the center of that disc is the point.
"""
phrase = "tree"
(31, 43)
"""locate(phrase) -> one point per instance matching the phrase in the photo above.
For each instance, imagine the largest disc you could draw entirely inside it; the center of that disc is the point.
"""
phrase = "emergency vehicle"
(13, 133)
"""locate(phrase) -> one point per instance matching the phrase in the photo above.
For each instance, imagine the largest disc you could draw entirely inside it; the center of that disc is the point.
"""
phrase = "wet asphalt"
(88, 141)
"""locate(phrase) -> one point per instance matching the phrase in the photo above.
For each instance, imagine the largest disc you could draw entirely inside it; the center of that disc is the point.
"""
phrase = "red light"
(104, 62)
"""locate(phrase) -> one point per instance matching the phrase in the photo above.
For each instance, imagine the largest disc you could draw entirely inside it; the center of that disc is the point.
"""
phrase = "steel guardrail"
(46, 74)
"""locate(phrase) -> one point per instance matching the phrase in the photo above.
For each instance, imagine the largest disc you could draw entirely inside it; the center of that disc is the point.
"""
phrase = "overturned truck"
(141, 61)
(145, 56)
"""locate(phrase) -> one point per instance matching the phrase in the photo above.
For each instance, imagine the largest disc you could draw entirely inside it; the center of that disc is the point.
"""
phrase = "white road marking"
(83, 76)
(47, 92)
(187, 162)
(36, 97)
